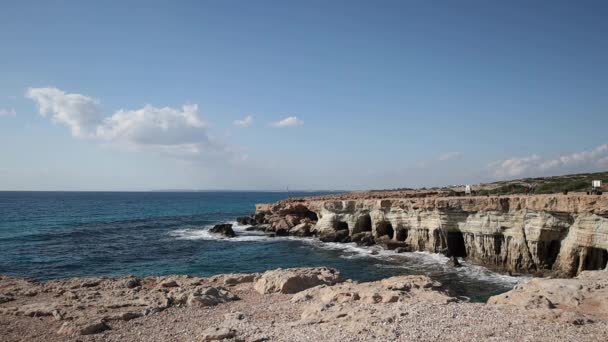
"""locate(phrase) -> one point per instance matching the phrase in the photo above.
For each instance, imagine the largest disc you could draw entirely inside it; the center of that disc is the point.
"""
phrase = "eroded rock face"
(561, 234)
(89, 305)
(586, 295)
(293, 280)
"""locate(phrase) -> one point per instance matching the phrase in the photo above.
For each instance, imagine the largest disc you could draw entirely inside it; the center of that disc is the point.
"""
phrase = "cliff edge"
(562, 234)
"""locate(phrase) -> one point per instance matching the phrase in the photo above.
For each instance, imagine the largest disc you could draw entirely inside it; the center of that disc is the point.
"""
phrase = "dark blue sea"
(47, 235)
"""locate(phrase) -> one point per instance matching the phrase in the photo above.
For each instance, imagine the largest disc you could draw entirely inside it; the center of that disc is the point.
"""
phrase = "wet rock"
(245, 220)
(224, 229)
(453, 262)
(301, 230)
(335, 236)
(363, 239)
(402, 249)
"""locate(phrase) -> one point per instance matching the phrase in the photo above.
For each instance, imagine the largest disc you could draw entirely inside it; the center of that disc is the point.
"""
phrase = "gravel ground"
(274, 317)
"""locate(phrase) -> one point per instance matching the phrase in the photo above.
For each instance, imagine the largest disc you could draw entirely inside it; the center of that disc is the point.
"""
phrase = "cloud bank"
(288, 122)
(535, 165)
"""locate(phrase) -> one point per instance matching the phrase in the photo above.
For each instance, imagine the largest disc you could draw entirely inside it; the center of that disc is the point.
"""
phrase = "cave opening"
(340, 225)
(311, 215)
(363, 224)
(401, 234)
(596, 259)
(384, 228)
(456, 246)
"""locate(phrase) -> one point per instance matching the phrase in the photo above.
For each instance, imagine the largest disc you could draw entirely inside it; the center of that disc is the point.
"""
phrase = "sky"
(264, 95)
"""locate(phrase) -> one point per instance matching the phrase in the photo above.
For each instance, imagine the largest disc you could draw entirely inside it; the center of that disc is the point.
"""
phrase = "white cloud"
(78, 112)
(7, 112)
(245, 122)
(288, 122)
(168, 131)
(449, 156)
(535, 165)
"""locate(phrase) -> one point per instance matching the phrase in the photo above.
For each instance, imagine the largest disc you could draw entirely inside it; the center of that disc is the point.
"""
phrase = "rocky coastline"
(300, 304)
(558, 234)
(551, 235)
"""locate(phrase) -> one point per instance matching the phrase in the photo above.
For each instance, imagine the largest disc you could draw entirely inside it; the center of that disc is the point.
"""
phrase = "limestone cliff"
(564, 234)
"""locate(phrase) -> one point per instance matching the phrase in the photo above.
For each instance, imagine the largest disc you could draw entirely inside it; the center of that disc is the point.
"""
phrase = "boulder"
(402, 249)
(347, 295)
(236, 278)
(389, 244)
(208, 296)
(301, 230)
(335, 236)
(293, 280)
(223, 229)
(83, 328)
(218, 333)
(245, 220)
(363, 239)
(282, 224)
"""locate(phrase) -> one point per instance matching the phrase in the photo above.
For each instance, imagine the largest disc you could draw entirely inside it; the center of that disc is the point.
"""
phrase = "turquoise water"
(46, 235)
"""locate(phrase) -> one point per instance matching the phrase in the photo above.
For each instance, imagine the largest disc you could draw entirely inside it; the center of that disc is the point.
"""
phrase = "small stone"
(216, 334)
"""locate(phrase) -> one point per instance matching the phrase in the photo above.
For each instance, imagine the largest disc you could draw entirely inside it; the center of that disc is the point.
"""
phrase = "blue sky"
(340, 95)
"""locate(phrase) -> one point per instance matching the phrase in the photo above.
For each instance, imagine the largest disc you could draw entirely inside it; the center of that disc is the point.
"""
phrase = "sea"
(50, 235)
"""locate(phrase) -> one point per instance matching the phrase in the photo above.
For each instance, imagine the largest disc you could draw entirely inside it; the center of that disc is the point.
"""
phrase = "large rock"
(223, 229)
(363, 239)
(245, 220)
(293, 280)
(354, 302)
(335, 236)
(301, 230)
(400, 288)
(587, 295)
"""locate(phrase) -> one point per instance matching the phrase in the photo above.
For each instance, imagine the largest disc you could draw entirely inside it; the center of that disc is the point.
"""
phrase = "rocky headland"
(302, 304)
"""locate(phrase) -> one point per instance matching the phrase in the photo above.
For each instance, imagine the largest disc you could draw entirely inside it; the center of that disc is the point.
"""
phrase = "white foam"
(416, 261)
(203, 233)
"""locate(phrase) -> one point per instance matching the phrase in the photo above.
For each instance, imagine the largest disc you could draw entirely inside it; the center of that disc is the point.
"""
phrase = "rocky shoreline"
(558, 235)
(300, 304)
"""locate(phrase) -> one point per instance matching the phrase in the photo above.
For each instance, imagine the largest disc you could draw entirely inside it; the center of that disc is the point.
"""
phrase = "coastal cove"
(51, 235)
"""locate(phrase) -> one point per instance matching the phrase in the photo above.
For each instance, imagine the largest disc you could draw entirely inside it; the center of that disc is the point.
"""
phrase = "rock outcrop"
(560, 234)
(293, 280)
(585, 296)
(89, 305)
